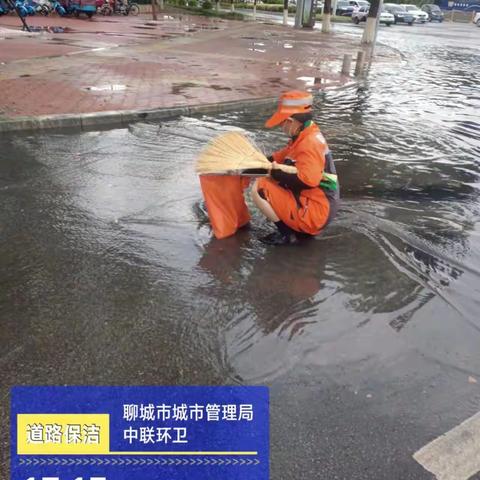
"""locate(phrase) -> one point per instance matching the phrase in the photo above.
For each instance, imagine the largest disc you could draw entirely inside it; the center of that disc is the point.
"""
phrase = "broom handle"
(284, 168)
(277, 166)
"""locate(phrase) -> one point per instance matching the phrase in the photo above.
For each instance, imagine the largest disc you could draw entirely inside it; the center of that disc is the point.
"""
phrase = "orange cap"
(290, 103)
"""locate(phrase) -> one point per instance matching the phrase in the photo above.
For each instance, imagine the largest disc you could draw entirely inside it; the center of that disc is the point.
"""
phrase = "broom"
(231, 154)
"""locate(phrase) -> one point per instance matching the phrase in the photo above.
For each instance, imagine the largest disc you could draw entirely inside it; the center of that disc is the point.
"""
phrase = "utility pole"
(285, 12)
(305, 16)
(299, 14)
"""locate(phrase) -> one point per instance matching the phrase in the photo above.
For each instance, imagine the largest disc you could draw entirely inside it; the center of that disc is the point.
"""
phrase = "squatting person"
(303, 201)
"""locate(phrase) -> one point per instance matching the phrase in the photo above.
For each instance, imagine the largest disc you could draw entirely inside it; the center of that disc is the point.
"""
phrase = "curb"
(122, 118)
(87, 121)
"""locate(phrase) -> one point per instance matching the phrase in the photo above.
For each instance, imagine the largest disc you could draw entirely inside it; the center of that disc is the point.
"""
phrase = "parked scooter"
(56, 6)
(126, 7)
(4, 8)
(105, 8)
(88, 7)
(33, 7)
(43, 7)
(22, 9)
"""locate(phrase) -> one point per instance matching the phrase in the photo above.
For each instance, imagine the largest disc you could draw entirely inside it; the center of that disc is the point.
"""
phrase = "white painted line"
(456, 454)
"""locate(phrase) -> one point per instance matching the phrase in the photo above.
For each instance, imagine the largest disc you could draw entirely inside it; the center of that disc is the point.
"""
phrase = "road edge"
(119, 118)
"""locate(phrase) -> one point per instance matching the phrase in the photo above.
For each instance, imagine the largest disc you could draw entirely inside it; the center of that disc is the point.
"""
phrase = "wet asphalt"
(367, 336)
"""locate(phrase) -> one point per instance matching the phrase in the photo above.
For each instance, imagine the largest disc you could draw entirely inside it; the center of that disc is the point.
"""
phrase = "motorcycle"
(126, 8)
(43, 7)
(104, 8)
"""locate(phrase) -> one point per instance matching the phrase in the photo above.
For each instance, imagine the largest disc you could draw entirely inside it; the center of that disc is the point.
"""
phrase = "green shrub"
(192, 3)
(207, 5)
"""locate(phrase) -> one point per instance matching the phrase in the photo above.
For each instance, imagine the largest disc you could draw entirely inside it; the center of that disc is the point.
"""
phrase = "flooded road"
(368, 336)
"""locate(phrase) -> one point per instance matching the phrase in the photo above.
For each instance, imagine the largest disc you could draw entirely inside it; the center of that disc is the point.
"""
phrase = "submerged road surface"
(368, 336)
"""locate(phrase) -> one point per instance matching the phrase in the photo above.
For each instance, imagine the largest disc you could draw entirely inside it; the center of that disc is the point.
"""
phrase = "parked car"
(356, 4)
(400, 14)
(476, 19)
(361, 15)
(419, 15)
(434, 12)
(344, 8)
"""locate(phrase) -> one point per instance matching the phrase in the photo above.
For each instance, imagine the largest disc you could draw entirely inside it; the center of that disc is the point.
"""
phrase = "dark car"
(344, 8)
(399, 12)
(434, 12)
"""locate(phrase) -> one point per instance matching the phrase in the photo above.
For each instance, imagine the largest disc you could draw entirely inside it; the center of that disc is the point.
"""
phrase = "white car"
(476, 20)
(361, 15)
(418, 15)
(356, 4)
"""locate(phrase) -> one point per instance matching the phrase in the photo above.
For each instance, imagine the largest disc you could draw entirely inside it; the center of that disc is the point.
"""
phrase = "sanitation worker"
(304, 199)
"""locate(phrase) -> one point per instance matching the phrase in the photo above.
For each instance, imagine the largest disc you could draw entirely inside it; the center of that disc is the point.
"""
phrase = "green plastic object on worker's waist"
(329, 181)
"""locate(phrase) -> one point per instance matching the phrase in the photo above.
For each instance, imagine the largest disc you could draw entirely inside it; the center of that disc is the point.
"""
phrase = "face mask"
(289, 128)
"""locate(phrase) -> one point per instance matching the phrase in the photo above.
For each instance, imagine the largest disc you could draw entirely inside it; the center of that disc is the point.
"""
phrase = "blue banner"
(139, 433)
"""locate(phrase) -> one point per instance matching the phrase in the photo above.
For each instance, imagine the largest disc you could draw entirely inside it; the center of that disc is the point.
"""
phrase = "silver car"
(419, 15)
(361, 15)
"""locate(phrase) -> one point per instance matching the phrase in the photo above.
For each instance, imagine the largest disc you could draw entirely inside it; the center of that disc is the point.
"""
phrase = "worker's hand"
(275, 165)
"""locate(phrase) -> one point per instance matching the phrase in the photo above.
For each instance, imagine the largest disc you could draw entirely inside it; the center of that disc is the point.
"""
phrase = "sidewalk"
(112, 64)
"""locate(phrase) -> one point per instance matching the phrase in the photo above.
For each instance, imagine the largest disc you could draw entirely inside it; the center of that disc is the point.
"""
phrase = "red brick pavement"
(125, 63)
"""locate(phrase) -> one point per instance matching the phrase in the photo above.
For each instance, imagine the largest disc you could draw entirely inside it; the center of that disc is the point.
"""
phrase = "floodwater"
(110, 274)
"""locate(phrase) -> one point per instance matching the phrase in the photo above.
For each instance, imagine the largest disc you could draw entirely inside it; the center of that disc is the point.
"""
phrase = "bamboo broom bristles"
(231, 151)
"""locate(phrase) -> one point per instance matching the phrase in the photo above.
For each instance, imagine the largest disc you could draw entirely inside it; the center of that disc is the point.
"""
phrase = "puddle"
(49, 29)
(106, 88)
(286, 67)
(256, 49)
(179, 88)
(219, 87)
